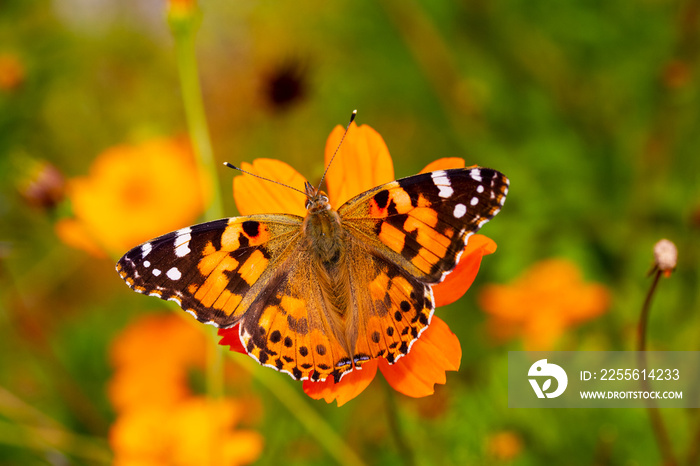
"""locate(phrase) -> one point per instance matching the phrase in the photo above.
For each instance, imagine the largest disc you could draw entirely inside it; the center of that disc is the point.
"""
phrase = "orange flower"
(147, 374)
(194, 432)
(363, 162)
(160, 421)
(133, 193)
(504, 446)
(11, 72)
(542, 303)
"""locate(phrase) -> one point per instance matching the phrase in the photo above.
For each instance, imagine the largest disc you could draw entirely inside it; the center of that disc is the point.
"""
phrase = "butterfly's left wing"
(422, 222)
(214, 270)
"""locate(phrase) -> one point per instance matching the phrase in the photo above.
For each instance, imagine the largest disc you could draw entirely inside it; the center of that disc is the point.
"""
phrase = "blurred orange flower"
(147, 374)
(541, 304)
(194, 432)
(11, 72)
(505, 445)
(133, 193)
(160, 421)
(363, 162)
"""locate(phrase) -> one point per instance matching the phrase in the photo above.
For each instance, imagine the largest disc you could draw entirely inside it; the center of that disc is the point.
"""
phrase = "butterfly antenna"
(263, 178)
(352, 118)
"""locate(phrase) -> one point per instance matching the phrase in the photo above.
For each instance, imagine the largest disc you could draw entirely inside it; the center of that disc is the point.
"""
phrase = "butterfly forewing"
(425, 220)
(210, 269)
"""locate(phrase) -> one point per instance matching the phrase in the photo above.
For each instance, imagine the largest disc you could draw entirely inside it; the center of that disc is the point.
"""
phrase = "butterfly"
(320, 295)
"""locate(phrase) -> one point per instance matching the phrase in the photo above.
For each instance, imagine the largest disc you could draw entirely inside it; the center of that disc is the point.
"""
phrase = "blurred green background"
(592, 110)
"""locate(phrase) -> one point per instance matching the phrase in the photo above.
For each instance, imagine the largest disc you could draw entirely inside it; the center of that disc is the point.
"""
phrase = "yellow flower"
(541, 304)
(133, 193)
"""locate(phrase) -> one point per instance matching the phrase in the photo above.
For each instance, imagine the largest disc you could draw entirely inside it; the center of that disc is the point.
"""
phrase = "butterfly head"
(316, 200)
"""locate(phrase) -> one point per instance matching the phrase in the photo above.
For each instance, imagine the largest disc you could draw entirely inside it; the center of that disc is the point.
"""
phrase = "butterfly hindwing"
(295, 327)
(210, 269)
(423, 222)
(396, 307)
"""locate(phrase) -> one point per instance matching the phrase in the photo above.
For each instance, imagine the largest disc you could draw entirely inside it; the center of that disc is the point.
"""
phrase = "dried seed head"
(665, 256)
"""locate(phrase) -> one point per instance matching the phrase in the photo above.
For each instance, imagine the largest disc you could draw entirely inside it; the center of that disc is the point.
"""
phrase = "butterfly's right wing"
(423, 222)
(213, 270)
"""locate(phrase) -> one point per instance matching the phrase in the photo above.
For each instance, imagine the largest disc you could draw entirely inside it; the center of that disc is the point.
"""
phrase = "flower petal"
(362, 162)
(457, 282)
(256, 196)
(436, 351)
(121, 207)
(351, 385)
(232, 339)
(444, 164)
(74, 233)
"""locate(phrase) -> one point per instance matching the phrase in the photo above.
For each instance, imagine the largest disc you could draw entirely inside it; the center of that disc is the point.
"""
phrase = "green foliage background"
(590, 108)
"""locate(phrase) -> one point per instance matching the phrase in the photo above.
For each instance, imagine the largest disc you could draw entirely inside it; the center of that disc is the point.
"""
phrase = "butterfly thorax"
(322, 228)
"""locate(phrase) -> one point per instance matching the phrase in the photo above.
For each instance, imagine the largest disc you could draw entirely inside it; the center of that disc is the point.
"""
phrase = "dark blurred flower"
(542, 303)
(285, 85)
(43, 185)
(677, 74)
(11, 72)
(363, 162)
(133, 193)
(159, 420)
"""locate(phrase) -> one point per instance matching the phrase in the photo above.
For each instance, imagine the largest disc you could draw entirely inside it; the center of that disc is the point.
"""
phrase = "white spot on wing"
(145, 249)
(156, 272)
(460, 210)
(146, 264)
(474, 201)
(480, 189)
(475, 173)
(442, 182)
(173, 274)
(182, 242)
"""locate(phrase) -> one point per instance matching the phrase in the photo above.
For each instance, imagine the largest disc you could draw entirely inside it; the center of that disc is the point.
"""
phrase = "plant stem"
(657, 422)
(279, 386)
(184, 28)
(402, 445)
(184, 24)
(32, 429)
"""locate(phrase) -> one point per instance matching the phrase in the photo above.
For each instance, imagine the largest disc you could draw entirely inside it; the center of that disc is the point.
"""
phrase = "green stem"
(184, 27)
(184, 30)
(32, 429)
(298, 405)
(394, 427)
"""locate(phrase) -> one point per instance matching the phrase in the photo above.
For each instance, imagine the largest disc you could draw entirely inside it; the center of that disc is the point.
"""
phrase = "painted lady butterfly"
(318, 296)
